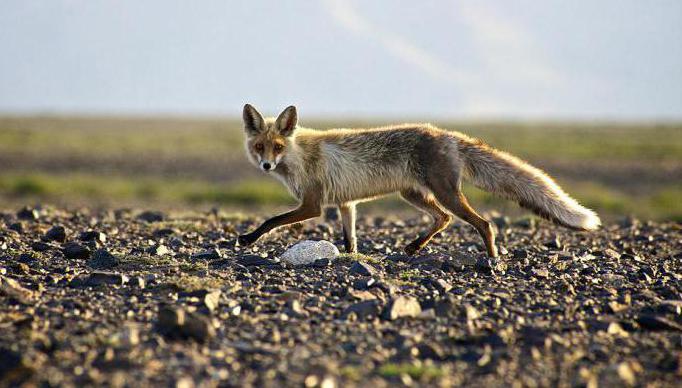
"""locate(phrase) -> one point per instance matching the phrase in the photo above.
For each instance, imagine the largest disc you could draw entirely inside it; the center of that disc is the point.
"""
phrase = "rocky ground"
(128, 298)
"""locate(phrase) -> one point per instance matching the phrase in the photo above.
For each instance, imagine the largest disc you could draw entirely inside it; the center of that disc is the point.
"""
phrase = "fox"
(423, 163)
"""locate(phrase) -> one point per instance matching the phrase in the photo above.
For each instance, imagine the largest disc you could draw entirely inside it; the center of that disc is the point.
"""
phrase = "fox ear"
(287, 120)
(253, 120)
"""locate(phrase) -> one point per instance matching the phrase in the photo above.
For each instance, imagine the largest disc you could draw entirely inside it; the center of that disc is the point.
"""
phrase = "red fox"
(423, 163)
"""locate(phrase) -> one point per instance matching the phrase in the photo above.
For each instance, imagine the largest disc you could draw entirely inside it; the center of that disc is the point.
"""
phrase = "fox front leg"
(306, 211)
(348, 219)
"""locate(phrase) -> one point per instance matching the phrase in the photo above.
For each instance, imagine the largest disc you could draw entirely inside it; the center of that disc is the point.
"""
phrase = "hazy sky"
(500, 58)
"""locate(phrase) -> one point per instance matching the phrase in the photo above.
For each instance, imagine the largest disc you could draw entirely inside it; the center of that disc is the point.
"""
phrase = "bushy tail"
(510, 177)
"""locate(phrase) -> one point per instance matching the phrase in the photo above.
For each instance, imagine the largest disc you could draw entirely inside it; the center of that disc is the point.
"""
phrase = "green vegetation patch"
(416, 371)
(146, 261)
(360, 257)
(409, 274)
(189, 283)
(151, 189)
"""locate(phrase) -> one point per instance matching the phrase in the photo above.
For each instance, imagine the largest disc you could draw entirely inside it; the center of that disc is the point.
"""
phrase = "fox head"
(267, 140)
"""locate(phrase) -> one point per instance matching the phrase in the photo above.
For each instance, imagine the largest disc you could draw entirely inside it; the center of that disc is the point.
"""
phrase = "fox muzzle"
(266, 165)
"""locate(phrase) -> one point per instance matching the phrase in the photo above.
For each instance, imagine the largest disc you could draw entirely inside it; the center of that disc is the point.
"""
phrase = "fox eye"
(278, 147)
(258, 146)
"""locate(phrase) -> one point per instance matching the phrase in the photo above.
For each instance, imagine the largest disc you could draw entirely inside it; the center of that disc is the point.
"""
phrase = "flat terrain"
(616, 168)
(125, 297)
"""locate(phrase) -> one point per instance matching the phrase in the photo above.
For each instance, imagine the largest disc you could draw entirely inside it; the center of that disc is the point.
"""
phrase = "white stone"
(306, 252)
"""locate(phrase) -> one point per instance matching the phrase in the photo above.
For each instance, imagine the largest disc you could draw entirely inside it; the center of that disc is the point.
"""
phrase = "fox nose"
(266, 166)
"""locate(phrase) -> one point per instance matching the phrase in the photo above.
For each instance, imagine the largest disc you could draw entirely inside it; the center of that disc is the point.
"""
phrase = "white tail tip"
(590, 221)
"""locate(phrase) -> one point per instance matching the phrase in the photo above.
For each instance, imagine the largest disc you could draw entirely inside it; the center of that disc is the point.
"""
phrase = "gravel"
(140, 298)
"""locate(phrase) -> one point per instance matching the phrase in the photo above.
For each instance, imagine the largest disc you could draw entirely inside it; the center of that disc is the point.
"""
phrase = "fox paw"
(412, 248)
(246, 240)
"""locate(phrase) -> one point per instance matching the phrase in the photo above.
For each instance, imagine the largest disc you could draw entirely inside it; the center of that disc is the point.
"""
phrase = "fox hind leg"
(459, 205)
(448, 193)
(428, 204)
(348, 219)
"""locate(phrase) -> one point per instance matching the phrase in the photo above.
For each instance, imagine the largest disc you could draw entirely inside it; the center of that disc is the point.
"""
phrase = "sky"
(579, 59)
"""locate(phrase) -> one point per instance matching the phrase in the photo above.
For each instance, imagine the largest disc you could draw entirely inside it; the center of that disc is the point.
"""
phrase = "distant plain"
(620, 169)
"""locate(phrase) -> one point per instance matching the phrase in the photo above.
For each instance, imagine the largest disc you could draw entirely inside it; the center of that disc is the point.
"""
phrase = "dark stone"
(14, 368)
(27, 258)
(554, 244)
(492, 339)
(363, 310)
(95, 279)
(102, 259)
(657, 323)
(670, 307)
(165, 232)
(360, 268)
(75, 251)
(198, 328)
(40, 246)
(174, 323)
(532, 336)
(211, 254)
(430, 351)
(387, 288)
(92, 235)
(170, 320)
(253, 260)
(16, 226)
(322, 263)
(490, 265)
(520, 254)
(429, 261)
(445, 307)
(56, 233)
(27, 213)
(364, 284)
(151, 216)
